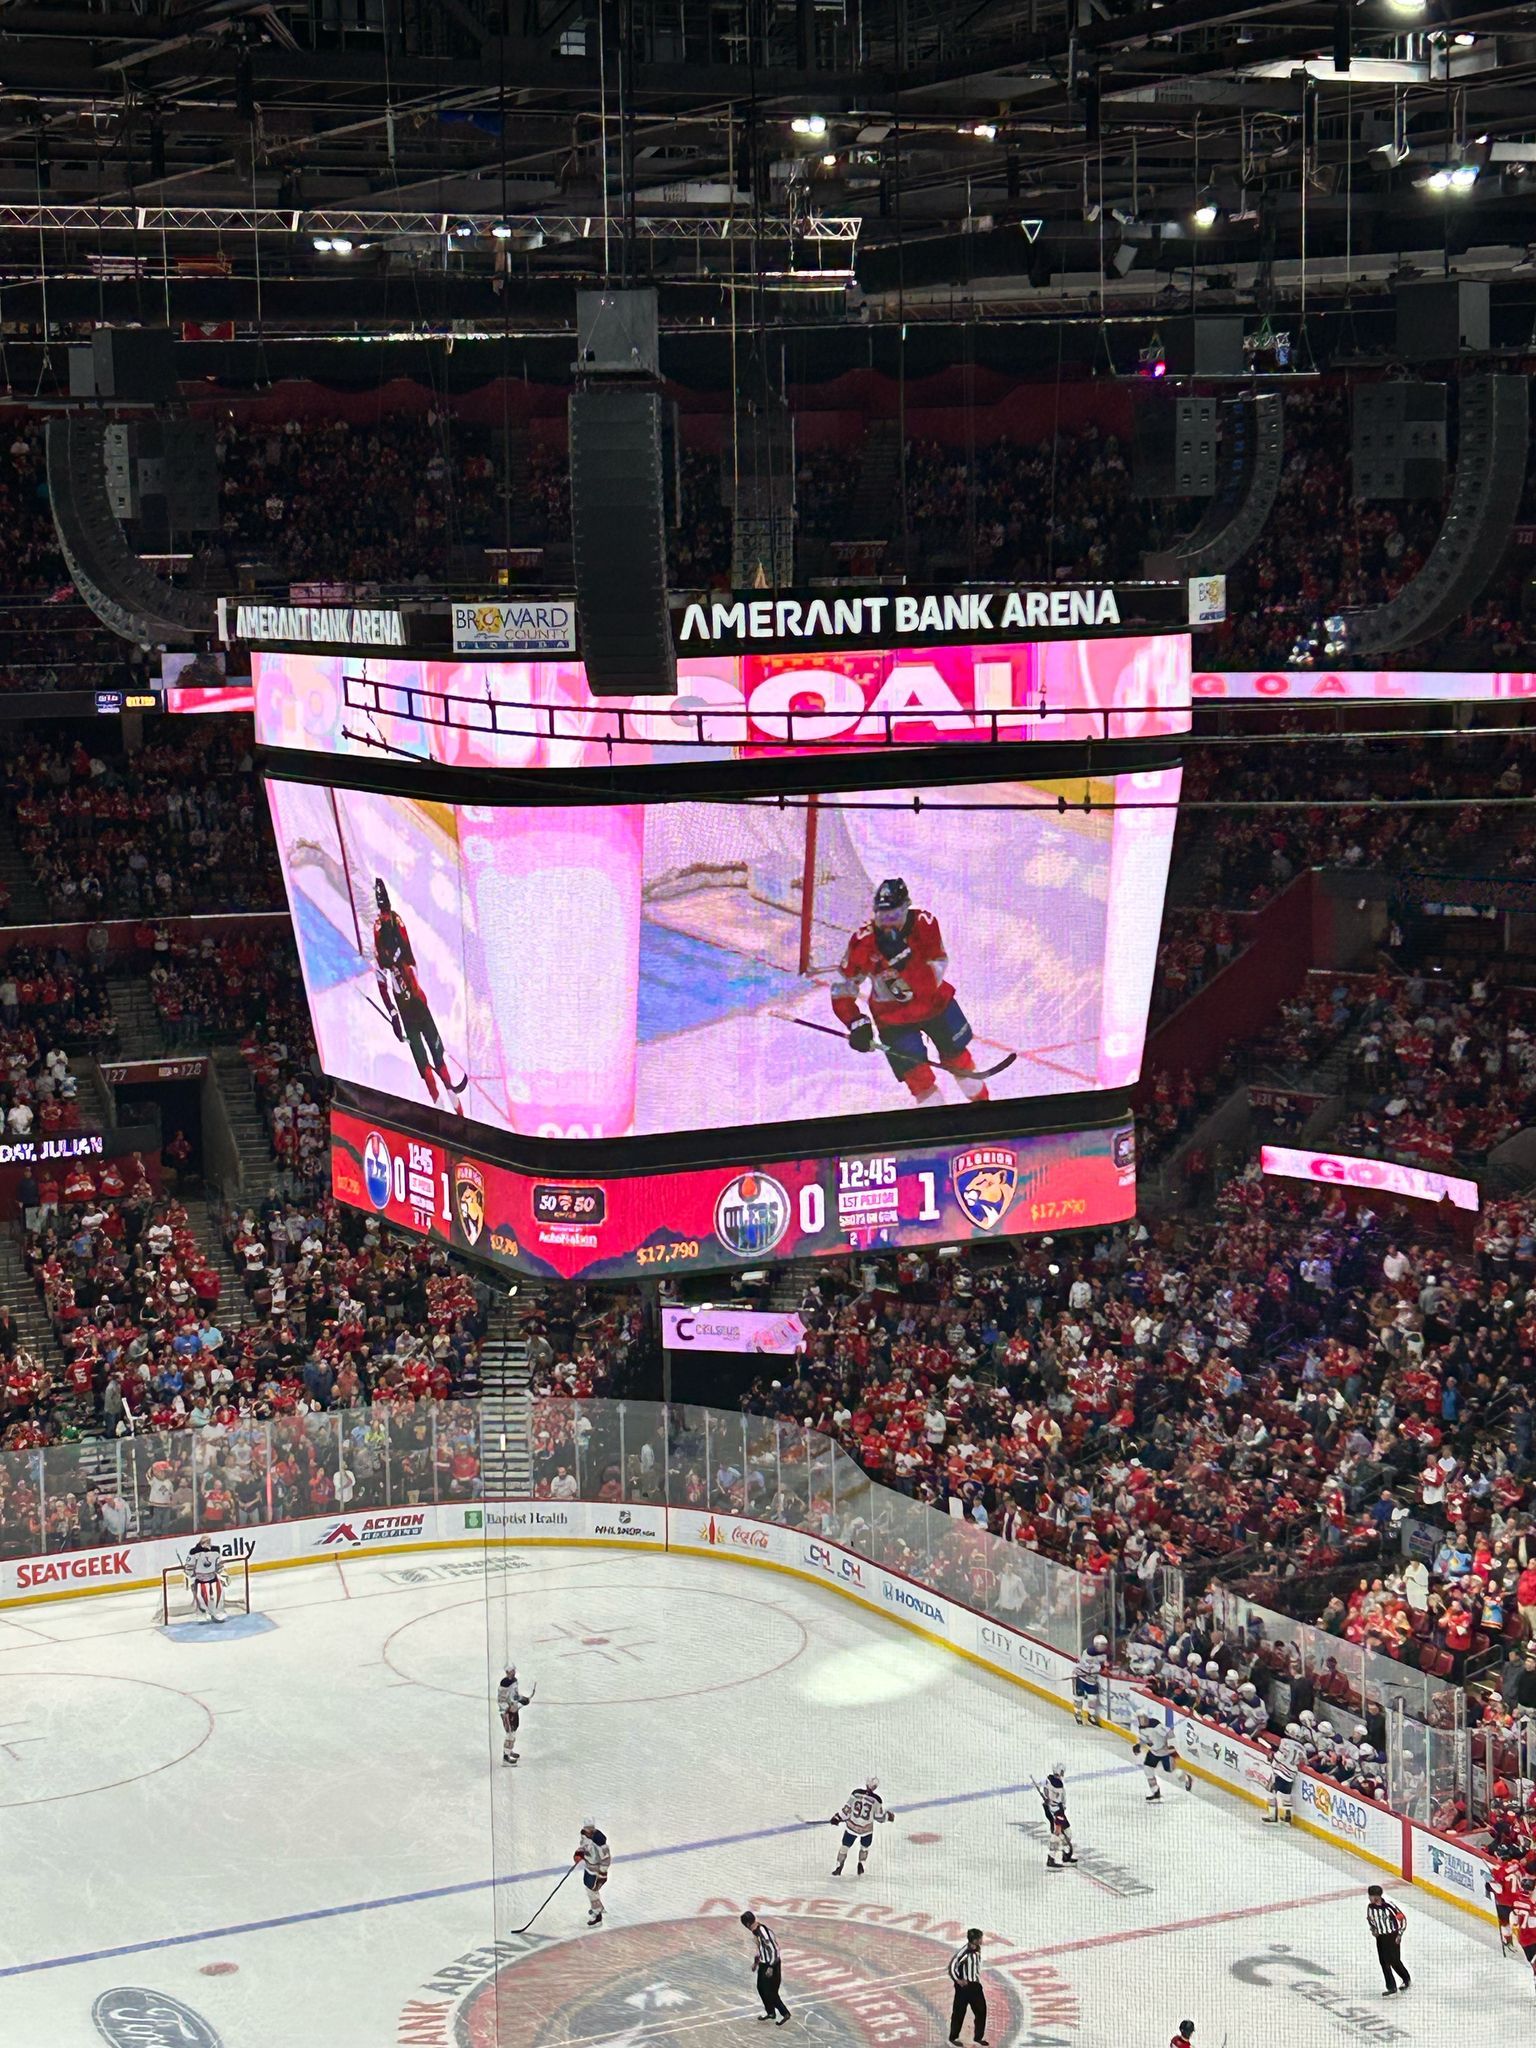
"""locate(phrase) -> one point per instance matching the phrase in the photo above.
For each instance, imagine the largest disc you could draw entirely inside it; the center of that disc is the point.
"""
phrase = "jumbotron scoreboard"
(849, 944)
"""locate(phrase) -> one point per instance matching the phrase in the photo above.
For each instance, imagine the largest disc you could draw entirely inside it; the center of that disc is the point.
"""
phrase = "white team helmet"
(1293, 1729)
(589, 1827)
(1248, 1690)
(1101, 1642)
(1212, 1669)
(1193, 1660)
(871, 1784)
(1326, 1728)
(1307, 1718)
(1361, 1731)
(1366, 1749)
(1058, 1770)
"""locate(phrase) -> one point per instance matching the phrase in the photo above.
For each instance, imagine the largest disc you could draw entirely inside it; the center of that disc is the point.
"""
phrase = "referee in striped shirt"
(965, 1975)
(1387, 1922)
(770, 1969)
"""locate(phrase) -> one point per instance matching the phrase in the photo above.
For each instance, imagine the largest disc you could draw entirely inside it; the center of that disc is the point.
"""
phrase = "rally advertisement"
(702, 1219)
(615, 970)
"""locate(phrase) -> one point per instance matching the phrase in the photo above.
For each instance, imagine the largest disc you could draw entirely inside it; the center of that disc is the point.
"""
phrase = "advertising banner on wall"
(730, 1329)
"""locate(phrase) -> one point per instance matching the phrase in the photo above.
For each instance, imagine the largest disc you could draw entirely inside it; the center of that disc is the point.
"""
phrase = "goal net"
(785, 886)
(177, 1604)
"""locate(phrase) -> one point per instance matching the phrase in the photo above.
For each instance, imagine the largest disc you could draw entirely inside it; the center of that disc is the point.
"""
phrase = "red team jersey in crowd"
(910, 994)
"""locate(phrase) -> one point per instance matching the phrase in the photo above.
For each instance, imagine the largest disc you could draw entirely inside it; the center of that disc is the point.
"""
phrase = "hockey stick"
(528, 1923)
(453, 1087)
(910, 1059)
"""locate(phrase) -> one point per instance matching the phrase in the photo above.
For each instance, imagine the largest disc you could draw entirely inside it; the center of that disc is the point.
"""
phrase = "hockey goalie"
(205, 1575)
(899, 955)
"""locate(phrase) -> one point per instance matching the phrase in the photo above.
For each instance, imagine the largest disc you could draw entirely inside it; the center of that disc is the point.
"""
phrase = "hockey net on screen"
(177, 1604)
(785, 886)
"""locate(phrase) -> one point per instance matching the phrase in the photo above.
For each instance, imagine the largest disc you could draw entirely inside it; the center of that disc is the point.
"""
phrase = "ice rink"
(305, 1836)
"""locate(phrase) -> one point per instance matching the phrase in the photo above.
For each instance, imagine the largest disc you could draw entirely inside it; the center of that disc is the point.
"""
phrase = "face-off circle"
(671, 1979)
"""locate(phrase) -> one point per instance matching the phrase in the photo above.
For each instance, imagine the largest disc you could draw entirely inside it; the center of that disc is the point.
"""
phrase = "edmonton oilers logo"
(377, 1170)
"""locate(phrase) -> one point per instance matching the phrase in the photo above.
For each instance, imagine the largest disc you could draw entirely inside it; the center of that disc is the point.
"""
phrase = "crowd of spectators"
(174, 827)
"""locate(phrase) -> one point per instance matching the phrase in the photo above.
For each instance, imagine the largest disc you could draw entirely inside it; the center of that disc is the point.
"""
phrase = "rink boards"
(1440, 1864)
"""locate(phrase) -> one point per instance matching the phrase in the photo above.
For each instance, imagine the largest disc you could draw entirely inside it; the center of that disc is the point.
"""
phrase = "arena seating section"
(1261, 1384)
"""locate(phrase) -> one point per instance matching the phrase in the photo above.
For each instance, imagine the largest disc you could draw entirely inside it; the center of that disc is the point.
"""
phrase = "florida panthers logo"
(469, 1192)
(985, 1181)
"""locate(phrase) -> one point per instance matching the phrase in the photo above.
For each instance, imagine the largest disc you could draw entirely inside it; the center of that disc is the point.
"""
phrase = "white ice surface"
(322, 1807)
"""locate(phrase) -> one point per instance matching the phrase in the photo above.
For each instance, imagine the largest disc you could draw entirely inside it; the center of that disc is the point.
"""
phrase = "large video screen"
(603, 971)
(540, 714)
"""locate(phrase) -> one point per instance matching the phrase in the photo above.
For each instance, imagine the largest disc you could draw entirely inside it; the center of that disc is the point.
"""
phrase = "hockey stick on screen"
(539, 1909)
(907, 1059)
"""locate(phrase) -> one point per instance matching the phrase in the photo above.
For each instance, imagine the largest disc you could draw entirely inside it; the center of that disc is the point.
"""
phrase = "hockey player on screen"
(900, 954)
(404, 1003)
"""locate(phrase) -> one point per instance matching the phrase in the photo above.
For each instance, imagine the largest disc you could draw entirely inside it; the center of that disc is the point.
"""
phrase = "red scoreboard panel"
(612, 1227)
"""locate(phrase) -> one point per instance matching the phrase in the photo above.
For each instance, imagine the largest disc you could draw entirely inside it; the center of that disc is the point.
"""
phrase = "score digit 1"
(929, 1212)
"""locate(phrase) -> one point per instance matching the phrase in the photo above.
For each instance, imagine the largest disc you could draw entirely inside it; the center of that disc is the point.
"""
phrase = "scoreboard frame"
(604, 1225)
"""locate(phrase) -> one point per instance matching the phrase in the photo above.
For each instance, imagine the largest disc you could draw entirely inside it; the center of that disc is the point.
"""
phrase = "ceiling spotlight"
(829, 161)
(1206, 214)
(1464, 41)
(1408, 10)
(1452, 178)
(340, 246)
(502, 232)
(809, 124)
(324, 244)
(984, 131)
(462, 228)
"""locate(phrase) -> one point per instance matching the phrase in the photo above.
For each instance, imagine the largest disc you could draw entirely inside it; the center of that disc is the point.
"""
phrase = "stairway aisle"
(258, 1168)
(506, 1413)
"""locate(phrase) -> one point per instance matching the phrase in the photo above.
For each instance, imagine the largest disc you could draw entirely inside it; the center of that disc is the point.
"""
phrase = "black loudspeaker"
(165, 474)
(1399, 441)
(1252, 457)
(1437, 319)
(1204, 345)
(1493, 428)
(619, 539)
(133, 365)
(131, 599)
(1175, 448)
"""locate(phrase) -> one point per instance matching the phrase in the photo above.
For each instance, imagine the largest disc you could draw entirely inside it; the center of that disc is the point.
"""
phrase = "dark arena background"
(767, 1024)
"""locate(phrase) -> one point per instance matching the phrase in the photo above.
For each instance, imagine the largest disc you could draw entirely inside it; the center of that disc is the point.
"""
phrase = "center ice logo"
(985, 1181)
(378, 1169)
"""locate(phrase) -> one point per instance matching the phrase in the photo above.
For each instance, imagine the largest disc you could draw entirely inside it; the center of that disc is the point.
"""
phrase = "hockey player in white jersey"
(510, 1703)
(1144, 1658)
(859, 1815)
(1088, 1682)
(1053, 1799)
(1253, 1715)
(1154, 1748)
(595, 1857)
(204, 1570)
(1288, 1758)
